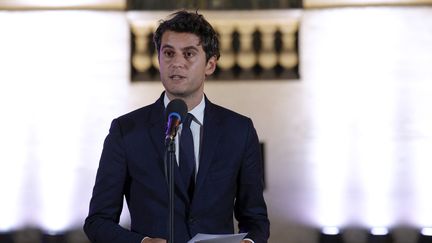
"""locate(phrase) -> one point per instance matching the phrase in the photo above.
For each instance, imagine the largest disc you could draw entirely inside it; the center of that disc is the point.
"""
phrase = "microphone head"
(177, 106)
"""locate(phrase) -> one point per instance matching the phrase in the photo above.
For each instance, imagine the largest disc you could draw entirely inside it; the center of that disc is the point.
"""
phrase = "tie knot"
(188, 119)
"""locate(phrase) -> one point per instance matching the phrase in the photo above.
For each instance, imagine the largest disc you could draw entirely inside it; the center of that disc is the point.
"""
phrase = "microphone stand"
(170, 160)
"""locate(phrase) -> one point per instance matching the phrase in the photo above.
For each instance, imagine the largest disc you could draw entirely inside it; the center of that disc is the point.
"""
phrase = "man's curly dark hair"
(190, 22)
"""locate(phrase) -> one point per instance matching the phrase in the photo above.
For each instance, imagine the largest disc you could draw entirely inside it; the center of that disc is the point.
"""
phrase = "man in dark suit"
(227, 174)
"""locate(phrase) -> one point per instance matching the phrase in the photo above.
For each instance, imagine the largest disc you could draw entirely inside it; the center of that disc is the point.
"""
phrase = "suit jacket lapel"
(157, 131)
(210, 138)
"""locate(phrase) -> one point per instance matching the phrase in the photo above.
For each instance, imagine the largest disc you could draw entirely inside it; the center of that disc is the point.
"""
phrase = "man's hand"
(153, 240)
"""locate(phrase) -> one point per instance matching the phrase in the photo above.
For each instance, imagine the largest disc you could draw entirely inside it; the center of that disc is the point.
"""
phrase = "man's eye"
(189, 54)
(168, 53)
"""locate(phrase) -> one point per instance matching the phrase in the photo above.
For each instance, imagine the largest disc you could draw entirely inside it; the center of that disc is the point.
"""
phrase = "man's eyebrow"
(187, 48)
(167, 46)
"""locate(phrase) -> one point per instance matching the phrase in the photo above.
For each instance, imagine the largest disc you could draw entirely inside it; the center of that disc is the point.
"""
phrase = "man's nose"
(178, 61)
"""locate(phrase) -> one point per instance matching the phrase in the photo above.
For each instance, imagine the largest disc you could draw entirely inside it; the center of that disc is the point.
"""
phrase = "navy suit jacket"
(229, 179)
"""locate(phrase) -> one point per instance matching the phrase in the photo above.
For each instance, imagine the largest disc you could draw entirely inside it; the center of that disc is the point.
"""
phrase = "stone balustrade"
(256, 45)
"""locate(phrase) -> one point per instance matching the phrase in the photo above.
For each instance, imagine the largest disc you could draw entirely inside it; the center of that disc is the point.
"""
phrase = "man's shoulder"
(139, 112)
(143, 115)
(144, 111)
(226, 113)
(137, 119)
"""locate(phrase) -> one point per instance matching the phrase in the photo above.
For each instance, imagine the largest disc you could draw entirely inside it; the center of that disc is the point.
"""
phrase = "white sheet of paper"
(208, 238)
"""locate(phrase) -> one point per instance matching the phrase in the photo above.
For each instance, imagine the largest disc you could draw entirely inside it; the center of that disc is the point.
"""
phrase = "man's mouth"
(176, 77)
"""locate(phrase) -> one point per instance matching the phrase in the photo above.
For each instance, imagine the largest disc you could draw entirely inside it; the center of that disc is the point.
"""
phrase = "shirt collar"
(197, 112)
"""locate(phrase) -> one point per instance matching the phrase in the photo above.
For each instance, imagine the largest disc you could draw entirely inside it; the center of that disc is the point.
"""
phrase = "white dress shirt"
(196, 127)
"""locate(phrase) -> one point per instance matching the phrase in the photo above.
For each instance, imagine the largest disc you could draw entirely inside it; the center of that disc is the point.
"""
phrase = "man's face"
(183, 65)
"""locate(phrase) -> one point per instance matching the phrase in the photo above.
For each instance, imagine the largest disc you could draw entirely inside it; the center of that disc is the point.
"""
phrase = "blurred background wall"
(348, 144)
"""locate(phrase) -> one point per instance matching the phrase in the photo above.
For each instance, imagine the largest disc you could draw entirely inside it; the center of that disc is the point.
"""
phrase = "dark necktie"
(187, 155)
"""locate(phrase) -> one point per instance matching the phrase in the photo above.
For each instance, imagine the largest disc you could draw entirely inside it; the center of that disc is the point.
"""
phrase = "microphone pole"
(170, 156)
(176, 111)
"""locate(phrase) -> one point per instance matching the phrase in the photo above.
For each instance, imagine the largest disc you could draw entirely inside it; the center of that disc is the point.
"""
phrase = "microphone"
(176, 111)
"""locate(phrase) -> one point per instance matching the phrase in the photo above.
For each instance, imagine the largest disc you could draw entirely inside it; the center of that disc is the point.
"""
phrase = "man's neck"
(191, 101)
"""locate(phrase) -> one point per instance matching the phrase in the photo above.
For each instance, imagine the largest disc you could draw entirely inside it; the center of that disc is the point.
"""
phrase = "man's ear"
(211, 66)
